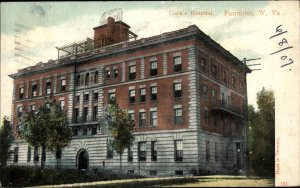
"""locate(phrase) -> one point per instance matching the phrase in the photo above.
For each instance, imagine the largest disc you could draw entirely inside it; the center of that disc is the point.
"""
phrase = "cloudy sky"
(31, 31)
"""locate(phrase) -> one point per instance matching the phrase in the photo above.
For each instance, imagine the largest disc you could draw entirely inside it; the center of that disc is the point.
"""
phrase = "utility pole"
(246, 118)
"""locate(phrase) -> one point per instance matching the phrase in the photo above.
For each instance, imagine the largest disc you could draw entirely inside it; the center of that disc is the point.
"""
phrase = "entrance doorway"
(82, 160)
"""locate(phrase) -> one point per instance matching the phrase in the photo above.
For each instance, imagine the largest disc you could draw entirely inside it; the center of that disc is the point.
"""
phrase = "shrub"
(20, 176)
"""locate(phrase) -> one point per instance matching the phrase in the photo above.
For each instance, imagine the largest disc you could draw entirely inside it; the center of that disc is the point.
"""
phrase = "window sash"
(111, 96)
(142, 151)
(154, 90)
(132, 93)
(177, 60)
(115, 72)
(131, 116)
(178, 112)
(153, 119)
(178, 144)
(142, 119)
(132, 69)
(63, 82)
(153, 65)
(177, 86)
(154, 150)
(108, 74)
(142, 91)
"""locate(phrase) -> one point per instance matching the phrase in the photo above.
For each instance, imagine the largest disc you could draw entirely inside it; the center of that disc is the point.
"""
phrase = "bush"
(20, 176)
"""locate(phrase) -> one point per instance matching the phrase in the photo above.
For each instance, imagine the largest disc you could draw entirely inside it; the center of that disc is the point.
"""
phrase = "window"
(84, 131)
(223, 98)
(62, 104)
(203, 65)
(178, 172)
(108, 73)
(63, 85)
(153, 68)
(48, 88)
(34, 90)
(204, 90)
(131, 116)
(142, 95)
(178, 116)
(95, 113)
(153, 118)
(77, 99)
(94, 130)
(206, 116)
(115, 72)
(75, 132)
(213, 94)
(177, 90)
(153, 90)
(142, 151)
(76, 115)
(85, 113)
(214, 121)
(96, 96)
(32, 108)
(216, 152)
(111, 96)
(142, 116)
(154, 150)
(225, 77)
(153, 172)
(16, 154)
(132, 72)
(36, 154)
(177, 64)
(86, 98)
(96, 77)
(87, 79)
(214, 71)
(178, 150)
(19, 111)
(131, 96)
(130, 154)
(29, 154)
(78, 80)
(233, 81)
(228, 100)
(207, 151)
(110, 152)
(21, 93)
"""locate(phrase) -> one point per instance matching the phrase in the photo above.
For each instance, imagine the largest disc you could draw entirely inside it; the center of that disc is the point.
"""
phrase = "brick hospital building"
(186, 93)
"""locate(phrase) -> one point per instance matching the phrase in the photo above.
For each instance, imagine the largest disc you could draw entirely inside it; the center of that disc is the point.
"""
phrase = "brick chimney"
(110, 33)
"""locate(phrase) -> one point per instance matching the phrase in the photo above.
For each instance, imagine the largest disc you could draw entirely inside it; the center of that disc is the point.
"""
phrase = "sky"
(30, 31)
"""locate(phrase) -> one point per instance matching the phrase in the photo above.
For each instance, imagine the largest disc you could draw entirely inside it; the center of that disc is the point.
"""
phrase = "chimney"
(110, 33)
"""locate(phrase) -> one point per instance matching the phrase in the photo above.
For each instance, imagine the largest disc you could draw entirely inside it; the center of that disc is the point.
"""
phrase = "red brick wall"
(39, 100)
(164, 103)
